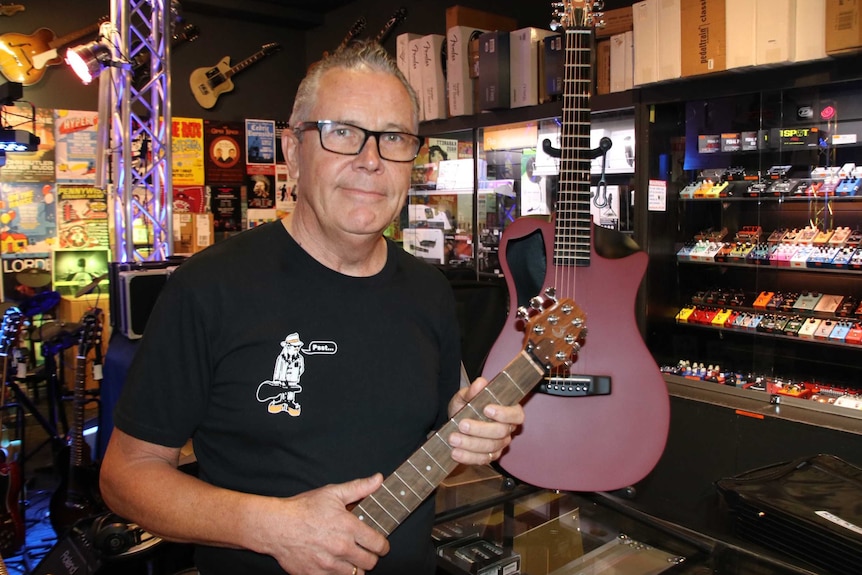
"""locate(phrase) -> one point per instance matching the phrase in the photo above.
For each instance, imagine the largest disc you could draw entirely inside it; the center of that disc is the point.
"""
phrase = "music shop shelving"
(796, 119)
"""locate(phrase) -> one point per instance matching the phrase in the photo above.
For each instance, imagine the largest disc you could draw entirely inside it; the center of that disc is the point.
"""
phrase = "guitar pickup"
(576, 385)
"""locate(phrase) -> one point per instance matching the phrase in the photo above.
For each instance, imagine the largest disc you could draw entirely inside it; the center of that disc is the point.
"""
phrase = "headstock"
(12, 319)
(553, 333)
(570, 14)
(270, 48)
(91, 331)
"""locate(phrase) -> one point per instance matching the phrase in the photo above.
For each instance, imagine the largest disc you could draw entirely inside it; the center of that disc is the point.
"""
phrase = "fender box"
(808, 508)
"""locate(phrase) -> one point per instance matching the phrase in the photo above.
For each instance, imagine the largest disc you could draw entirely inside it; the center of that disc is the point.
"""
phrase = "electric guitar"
(11, 522)
(208, 84)
(24, 58)
(396, 19)
(601, 424)
(77, 496)
(553, 336)
(140, 63)
(10, 10)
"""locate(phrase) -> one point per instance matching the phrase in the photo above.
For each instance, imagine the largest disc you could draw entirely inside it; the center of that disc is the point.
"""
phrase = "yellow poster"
(187, 156)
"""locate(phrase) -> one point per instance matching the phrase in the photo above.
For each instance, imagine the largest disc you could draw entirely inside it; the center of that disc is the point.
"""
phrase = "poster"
(25, 275)
(73, 270)
(76, 138)
(260, 147)
(82, 217)
(191, 199)
(27, 217)
(224, 160)
(261, 192)
(226, 206)
(187, 156)
(35, 166)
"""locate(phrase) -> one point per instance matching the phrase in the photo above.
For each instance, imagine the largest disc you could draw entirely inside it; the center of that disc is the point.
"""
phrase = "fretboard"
(573, 226)
(412, 483)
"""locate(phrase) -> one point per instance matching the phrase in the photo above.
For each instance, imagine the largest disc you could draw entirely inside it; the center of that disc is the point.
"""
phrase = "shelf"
(761, 403)
(605, 103)
(754, 332)
(819, 270)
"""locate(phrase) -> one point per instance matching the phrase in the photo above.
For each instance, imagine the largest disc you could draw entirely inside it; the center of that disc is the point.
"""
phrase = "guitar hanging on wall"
(140, 63)
(10, 9)
(11, 521)
(24, 58)
(601, 424)
(208, 83)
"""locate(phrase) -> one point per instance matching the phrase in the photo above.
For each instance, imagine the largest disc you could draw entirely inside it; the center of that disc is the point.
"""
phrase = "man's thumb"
(358, 489)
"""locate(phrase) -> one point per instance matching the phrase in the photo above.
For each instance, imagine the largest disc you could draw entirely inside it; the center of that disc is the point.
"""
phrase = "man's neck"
(352, 255)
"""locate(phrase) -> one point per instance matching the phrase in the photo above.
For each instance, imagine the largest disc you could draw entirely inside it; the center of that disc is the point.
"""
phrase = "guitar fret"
(366, 515)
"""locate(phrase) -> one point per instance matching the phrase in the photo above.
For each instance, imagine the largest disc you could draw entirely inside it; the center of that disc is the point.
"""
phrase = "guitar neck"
(245, 64)
(76, 434)
(390, 25)
(58, 43)
(573, 225)
(412, 483)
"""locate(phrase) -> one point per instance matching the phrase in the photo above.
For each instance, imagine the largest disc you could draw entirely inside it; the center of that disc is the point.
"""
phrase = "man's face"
(352, 194)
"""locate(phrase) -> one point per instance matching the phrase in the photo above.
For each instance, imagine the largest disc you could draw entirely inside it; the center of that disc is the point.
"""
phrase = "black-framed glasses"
(348, 140)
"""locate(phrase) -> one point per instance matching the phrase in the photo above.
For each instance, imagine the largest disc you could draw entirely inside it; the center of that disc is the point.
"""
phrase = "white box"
(414, 68)
(669, 39)
(524, 65)
(741, 17)
(622, 70)
(810, 31)
(645, 41)
(774, 25)
(432, 57)
(459, 84)
(402, 51)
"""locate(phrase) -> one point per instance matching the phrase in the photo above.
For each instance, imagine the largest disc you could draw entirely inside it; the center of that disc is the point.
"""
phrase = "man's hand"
(479, 442)
(314, 534)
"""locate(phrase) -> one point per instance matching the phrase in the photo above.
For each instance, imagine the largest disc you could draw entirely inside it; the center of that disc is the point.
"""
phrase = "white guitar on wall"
(208, 83)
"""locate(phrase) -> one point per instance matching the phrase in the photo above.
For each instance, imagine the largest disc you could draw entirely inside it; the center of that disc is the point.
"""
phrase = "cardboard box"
(603, 66)
(402, 51)
(432, 58)
(494, 80)
(459, 84)
(809, 40)
(620, 59)
(414, 70)
(645, 39)
(774, 26)
(554, 65)
(615, 22)
(524, 65)
(192, 232)
(843, 28)
(703, 37)
(740, 33)
(463, 16)
(71, 310)
(669, 58)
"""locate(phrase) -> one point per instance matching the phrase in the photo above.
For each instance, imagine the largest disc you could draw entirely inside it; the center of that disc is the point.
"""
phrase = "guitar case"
(809, 508)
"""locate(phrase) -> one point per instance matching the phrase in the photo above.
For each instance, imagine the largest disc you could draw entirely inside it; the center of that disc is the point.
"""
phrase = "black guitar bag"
(809, 508)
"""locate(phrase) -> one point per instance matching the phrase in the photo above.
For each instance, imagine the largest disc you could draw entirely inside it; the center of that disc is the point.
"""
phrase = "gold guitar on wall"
(208, 83)
(24, 58)
(10, 10)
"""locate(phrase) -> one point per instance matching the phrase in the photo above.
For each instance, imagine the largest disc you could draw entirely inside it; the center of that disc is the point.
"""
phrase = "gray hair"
(360, 55)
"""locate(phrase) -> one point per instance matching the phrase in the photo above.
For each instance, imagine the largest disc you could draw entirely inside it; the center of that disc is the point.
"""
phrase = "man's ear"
(290, 149)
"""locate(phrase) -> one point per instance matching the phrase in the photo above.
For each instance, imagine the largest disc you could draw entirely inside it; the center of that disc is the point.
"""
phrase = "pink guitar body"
(594, 442)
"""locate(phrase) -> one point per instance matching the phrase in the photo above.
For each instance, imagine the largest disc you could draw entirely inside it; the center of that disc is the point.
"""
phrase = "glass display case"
(470, 183)
(755, 237)
(486, 524)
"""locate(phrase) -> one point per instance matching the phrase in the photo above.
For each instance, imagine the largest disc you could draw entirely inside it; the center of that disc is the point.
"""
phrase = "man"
(381, 359)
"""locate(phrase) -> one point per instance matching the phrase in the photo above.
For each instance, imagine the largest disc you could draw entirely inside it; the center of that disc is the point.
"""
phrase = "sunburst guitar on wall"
(602, 423)
(208, 83)
(25, 57)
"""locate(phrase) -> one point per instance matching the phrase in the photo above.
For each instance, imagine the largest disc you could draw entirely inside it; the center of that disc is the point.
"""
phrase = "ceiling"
(299, 14)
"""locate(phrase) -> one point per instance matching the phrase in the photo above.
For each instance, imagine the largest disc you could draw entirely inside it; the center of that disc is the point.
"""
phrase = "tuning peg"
(536, 303)
(598, 5)
(598, 19)
(522, 313)
(551, 292)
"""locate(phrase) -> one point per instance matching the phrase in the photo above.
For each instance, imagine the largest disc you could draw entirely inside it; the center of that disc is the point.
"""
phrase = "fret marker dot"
(402, 493)
(362, 517)
(427, 468)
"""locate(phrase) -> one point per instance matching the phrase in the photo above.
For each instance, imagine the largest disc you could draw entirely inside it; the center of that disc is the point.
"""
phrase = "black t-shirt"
(289, 376)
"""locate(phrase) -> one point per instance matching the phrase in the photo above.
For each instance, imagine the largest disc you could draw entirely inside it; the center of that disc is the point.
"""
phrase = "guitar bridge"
(576, 385)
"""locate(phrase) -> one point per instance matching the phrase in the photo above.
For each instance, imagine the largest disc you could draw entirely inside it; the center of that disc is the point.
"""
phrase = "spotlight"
(88, 60)
(18, 141)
